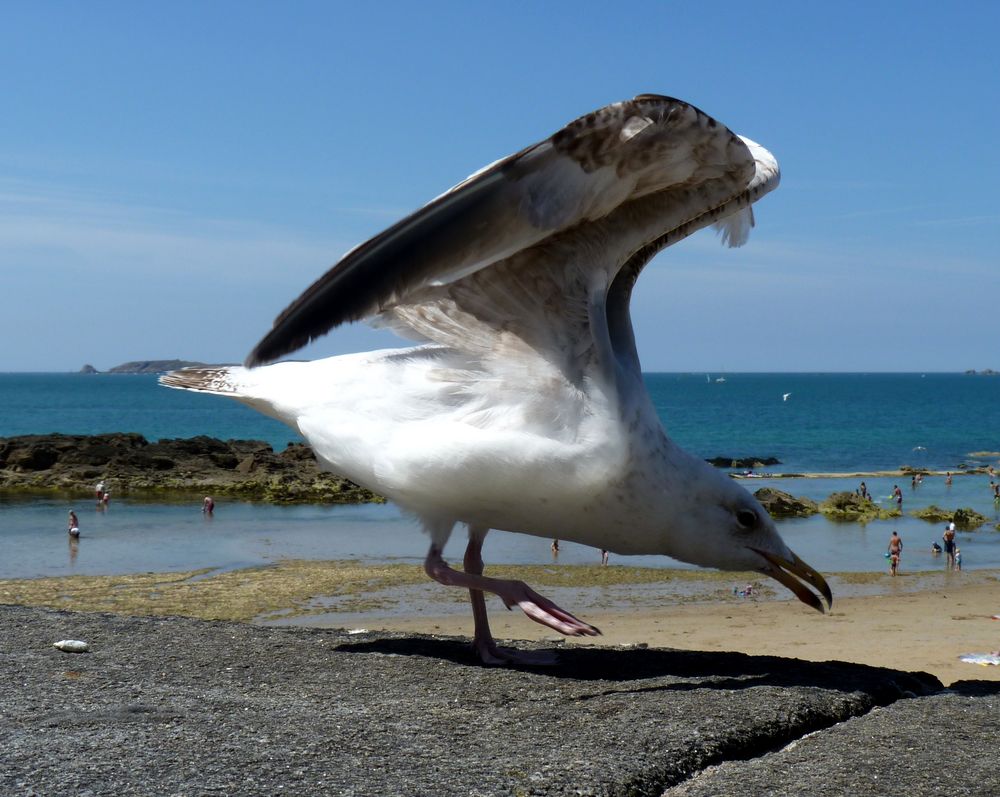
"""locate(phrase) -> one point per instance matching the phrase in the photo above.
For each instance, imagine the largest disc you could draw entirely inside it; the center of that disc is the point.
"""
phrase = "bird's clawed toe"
(492, 655)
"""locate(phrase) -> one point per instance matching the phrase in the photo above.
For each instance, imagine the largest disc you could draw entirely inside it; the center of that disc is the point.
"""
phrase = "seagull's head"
(722, 525)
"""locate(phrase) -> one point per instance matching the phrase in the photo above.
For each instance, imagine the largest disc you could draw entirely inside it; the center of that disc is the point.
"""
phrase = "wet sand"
(913, 622)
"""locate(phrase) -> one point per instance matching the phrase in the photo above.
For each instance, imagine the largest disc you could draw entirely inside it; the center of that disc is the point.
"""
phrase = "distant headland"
(143, 367)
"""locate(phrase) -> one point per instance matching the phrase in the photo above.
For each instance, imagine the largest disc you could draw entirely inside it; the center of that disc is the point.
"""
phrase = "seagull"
(522, 408)
(785, 396)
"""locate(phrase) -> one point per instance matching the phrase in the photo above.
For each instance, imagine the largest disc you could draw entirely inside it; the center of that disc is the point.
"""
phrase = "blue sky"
(173, 174)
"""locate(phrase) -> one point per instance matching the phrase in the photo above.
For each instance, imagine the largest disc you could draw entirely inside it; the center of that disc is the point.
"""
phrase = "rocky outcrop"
(933, 514)
(129, 464)
(780, 504)
(89, 369)
(852, 507)
(965, 519)
(744, 462)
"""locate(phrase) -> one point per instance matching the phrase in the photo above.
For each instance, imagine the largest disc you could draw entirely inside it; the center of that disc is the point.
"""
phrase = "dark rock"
(224, 460)
(41, 457)
(129, 464)
(744, 462)
(298, 452)
(780, 504)
(90, 454)
(89, 369)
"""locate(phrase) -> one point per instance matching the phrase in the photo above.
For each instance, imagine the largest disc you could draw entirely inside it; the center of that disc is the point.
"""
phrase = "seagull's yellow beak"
(786, 571)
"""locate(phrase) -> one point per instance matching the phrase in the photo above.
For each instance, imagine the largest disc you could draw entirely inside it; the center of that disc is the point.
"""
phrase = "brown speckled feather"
(514, 256)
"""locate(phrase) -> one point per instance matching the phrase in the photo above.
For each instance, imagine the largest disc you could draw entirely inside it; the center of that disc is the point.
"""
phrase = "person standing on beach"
(895, 551)
(74, 524)
(99, 490)
(949, 544)
(898, 495)
(863, 490)
(208, 506)
(947, 479)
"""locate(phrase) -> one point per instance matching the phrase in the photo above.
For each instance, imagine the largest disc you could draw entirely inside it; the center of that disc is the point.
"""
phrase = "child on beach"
(74, 524)
(958, 558)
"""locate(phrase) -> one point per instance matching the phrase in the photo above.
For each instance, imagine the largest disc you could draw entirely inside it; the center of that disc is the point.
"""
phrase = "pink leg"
(538, 608)
(489, 652)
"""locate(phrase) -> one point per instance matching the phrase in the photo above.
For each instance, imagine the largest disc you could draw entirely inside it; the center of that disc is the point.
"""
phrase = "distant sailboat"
(784, 396)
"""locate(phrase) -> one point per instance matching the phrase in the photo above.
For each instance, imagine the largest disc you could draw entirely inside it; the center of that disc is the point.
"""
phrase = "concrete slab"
(178, 706)
(944, 744)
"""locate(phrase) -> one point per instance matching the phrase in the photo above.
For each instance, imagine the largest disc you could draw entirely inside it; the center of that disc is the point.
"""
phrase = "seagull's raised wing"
(619, 165)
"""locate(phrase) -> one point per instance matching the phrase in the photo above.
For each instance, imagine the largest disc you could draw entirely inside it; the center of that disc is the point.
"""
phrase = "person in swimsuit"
(895, 550)
(949, 544)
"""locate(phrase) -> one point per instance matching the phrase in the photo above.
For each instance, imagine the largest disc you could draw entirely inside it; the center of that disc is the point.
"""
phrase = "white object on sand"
(985, 659)
(525, 410)
(71, 646)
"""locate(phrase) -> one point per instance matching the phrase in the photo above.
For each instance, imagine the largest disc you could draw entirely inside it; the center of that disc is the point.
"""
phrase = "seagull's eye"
(747, 518)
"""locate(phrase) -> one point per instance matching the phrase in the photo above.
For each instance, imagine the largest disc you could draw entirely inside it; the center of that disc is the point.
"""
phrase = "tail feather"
(223, 380)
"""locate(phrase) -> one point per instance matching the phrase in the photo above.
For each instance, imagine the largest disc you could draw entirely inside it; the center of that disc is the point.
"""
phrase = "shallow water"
(135, 536)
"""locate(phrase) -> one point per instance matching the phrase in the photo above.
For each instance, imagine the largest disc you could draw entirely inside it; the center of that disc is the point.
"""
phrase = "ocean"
(829, 423)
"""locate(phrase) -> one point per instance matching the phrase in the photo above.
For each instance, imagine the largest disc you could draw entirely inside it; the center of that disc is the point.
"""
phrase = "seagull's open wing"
(584, 173)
